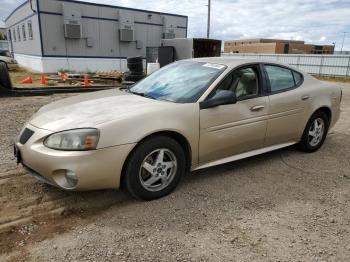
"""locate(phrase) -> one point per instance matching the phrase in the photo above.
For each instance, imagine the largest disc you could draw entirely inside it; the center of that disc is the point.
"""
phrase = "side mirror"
(222, 97)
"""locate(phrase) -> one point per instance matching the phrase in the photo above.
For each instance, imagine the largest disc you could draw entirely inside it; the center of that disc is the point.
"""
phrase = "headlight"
(73, 140)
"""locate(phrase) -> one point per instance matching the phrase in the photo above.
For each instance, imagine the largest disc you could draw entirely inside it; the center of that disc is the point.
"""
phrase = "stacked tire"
(135, 66)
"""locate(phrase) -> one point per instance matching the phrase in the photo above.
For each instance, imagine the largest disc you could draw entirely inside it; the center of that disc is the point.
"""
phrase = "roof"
(100, 5)
(234, 62)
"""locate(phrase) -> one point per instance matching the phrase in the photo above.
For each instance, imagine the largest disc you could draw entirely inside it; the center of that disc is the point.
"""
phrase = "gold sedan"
(188, 115)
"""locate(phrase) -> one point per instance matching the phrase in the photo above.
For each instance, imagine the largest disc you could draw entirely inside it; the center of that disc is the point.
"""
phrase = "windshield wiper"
(142, 94)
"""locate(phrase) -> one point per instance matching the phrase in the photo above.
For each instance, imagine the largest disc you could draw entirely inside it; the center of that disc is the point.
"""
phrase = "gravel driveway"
(280, 206)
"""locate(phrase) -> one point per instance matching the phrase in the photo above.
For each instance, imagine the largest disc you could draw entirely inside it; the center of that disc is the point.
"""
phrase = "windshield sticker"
(216, 66)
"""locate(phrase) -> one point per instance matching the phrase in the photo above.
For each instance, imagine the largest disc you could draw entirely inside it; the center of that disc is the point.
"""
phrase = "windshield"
(5, 53)
(180, 82)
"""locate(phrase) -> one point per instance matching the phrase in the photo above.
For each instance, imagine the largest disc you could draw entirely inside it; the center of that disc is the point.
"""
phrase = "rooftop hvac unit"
(72, 29)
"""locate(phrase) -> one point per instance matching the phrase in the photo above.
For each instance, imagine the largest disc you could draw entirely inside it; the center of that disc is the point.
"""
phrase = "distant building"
(275, 46)
(51, 35)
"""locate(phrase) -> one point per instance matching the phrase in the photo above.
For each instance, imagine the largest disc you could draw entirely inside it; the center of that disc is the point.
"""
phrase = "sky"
(315, 21)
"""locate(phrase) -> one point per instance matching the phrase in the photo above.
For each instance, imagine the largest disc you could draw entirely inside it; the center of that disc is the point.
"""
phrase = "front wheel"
(315, 132)
(154, 168)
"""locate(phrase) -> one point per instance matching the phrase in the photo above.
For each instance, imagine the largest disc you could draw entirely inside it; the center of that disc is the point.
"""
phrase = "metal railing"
(325, 65)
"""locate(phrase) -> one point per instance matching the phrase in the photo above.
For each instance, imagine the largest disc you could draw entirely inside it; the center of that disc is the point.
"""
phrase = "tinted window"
(5, 53)
(297, 78)
(280, 78)
(243, 82)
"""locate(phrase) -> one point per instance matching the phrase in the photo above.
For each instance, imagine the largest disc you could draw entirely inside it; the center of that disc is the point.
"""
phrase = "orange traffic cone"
(86, 80)
(43, 80)
(28, 80)
(64, 76)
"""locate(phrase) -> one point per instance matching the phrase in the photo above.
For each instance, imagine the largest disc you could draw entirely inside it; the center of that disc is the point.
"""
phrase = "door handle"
(257, 108)
(306, 97)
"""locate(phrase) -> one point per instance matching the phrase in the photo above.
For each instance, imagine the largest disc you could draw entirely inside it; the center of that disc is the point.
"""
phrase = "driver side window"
(244, 82)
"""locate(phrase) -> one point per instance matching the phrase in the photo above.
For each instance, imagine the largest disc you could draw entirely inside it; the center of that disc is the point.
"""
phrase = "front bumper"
(96, 169)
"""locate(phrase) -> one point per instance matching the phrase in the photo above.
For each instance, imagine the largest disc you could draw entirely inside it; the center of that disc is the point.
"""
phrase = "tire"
(136, 59)
(135, 73)
(138, 67)
(309, 143)
(5, 80)
(164, 177)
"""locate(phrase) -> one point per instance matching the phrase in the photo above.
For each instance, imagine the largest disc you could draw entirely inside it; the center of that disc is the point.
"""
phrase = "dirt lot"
(281, 206)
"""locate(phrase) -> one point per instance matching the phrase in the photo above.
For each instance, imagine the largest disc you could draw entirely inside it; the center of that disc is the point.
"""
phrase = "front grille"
(26, 134)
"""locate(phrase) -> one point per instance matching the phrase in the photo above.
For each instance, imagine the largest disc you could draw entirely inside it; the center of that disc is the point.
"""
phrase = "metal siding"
(20, 16)
(104, 29)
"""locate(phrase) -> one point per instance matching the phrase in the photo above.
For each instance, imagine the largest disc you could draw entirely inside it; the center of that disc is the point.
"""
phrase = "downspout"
(31, 6)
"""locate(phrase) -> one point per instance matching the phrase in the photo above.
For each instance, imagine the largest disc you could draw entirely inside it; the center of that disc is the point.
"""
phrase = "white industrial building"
(51, 35)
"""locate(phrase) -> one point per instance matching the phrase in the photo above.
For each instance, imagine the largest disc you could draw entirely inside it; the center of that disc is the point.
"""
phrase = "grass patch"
(334, 79)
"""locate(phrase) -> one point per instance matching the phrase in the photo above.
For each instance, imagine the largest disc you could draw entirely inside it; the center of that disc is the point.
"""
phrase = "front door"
(227, 130)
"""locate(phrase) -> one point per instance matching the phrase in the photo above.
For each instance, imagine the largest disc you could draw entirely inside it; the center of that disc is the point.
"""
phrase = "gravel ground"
(280, 206)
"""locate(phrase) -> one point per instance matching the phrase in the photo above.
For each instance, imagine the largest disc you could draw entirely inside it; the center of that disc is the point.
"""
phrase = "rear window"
(282, 78)
(298, 78)
(5, 53)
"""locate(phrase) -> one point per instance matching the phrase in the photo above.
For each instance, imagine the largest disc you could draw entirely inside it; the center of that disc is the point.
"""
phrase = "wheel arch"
(181, 139)
(326, 110)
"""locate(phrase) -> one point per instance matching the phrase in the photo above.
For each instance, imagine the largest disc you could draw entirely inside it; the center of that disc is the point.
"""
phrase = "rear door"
(228, 130)
(287, 101)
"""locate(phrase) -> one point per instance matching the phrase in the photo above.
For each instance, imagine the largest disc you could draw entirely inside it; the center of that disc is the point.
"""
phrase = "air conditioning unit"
(72, 21)
(168, 28)
(126, 35)
(168, 35)
(126, 26)
(72, 29)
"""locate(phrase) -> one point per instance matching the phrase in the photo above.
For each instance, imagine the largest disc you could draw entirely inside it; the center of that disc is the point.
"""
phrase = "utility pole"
(342, 45)
(208, 28)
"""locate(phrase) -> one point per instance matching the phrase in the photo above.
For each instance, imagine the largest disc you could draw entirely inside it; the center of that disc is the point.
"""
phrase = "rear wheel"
(154, 169)
(315, 132)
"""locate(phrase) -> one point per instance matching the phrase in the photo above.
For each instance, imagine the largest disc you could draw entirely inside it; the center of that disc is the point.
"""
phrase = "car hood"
(90, 110)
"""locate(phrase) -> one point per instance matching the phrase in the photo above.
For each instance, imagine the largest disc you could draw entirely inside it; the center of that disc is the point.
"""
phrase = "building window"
(9, 35)
(14, 35)
(30, 30)
(18, 34)
(24, 32)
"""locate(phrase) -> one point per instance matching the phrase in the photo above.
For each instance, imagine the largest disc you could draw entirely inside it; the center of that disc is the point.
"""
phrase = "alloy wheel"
(158, 169)
(316, 132)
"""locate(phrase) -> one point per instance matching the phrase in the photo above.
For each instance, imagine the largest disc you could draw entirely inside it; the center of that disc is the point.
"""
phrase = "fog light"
(72, 179)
